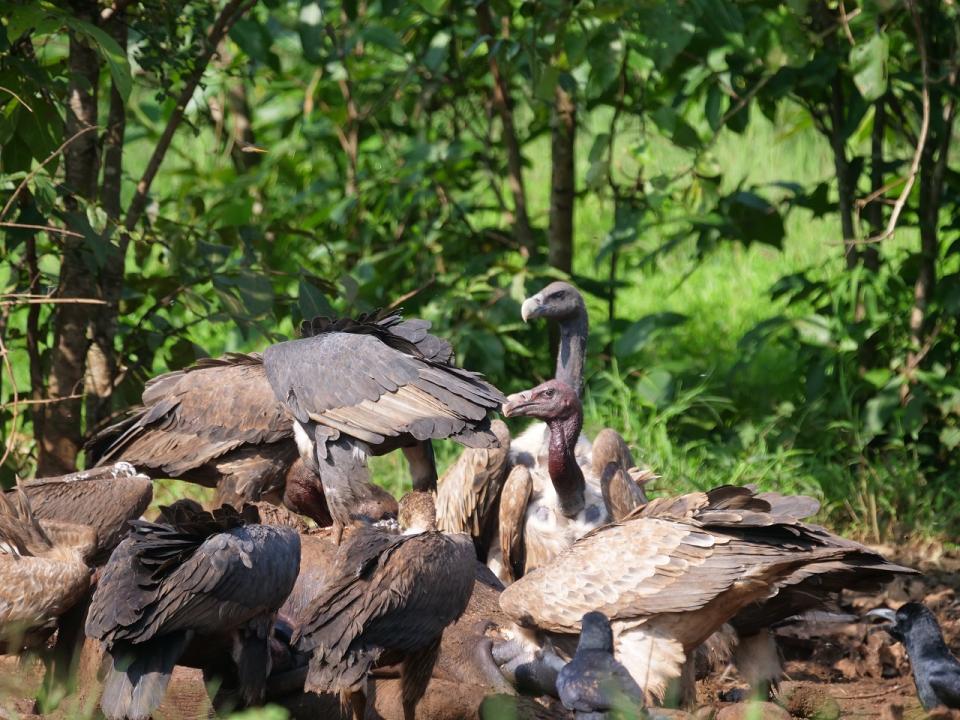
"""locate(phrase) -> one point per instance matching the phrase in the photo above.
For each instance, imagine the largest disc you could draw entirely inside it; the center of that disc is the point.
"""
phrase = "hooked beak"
(517, 403)
(532, 307)
(885, 614)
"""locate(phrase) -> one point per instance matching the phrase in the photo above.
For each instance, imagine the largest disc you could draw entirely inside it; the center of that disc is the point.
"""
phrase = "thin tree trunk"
(60, 443)
(502, 104)
(33, 337)
(874, 211)
(101, 357)
(846, 185)
(563, 180)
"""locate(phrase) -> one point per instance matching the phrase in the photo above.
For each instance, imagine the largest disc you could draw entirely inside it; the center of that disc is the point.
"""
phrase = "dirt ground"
(834, 669)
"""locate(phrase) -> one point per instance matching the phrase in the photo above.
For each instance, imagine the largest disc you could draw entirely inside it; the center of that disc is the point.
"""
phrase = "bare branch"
(22, 102)
(44, 228)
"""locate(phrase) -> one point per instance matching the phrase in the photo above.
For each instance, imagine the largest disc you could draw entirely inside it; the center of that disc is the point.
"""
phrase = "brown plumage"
(469, 491)
(103, 498)
(43, 567)
(669, 575)
(214, 423)
(387, 598)
(514, 503)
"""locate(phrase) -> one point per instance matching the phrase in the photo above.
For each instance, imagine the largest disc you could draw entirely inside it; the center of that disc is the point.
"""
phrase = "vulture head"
(595, 632)
(559, 405)
(552, 400)
(557, 301)
(418, 513)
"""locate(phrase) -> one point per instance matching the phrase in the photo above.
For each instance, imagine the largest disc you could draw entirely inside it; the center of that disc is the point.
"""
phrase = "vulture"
(194, 573)
(369, 386)
(387, 599)
(219, 423)
(936, 671)
(525, 519)
(103, 498)
(43, 568)
(594, 683)
(675, 569)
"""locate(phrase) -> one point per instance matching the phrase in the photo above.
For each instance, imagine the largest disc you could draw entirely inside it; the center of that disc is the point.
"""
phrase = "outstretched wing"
(192, 416)
(357, 384)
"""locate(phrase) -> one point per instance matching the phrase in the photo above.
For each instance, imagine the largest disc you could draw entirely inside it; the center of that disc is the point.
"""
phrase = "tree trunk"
(502, 104)
(563, 180)
(60, 444)
(846, 185)
(102, 362)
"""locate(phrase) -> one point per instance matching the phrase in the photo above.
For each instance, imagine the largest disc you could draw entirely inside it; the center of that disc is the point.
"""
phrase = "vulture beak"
(532, 307)
(517, 403)
(883, 614)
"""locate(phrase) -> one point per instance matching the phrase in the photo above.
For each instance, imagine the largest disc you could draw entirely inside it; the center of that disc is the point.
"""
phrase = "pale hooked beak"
(885, 614)
(516, 403)
(532, 307)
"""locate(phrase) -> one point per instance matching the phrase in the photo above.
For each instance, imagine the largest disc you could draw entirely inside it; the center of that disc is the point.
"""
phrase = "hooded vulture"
(369, 386)
(43, 568)
(194, 573)
(531, 517)
(387, 600)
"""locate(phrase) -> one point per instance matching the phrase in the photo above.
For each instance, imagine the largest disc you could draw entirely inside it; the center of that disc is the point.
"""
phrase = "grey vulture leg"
(423, 466)
(346, 481)
(415, 677)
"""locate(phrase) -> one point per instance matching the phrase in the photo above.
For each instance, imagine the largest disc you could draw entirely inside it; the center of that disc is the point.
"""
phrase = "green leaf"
(110, 51)
(310, 28)
(640, 332)
(312, 301)
(868, 63)
(382, 36)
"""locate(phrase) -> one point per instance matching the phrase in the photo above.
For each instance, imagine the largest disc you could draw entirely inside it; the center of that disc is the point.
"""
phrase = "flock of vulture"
(537, 567)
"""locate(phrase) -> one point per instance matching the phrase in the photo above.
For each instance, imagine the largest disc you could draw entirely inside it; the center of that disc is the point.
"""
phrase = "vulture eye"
(550, 393)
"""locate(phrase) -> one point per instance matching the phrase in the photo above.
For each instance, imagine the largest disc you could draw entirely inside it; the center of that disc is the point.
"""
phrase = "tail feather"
(139, 675)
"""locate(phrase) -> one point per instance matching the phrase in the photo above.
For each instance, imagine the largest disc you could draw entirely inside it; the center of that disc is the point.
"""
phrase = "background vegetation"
(760, 200)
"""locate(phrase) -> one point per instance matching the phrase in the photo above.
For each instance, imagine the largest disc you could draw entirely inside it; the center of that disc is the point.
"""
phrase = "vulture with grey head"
(369, 386)
(387, 600)
(674, 570)
(521, 518)
(43, 569)
(216, 574)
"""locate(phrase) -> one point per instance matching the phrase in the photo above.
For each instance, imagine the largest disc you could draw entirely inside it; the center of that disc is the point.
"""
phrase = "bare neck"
(565, 472)
(572, 351)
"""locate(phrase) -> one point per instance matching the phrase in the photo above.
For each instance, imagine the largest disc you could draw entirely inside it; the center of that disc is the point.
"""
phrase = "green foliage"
(337, 158)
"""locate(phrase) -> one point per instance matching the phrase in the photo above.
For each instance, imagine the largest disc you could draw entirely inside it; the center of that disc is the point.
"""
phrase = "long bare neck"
(573, 351)
(565, 472)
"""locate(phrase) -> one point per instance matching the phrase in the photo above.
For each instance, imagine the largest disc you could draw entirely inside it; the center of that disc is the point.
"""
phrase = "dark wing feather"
(155, 584)
(193, 416)
(356, 384)
(386, 592)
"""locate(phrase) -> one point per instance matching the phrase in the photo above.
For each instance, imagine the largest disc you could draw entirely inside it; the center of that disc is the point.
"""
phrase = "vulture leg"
(251, 653)
(345, 479)
(758, 661)
(423, 466)
(415, 676)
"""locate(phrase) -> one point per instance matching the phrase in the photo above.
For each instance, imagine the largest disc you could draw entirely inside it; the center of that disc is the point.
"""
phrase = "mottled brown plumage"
(514, 503)
(43, 567)
(387, 598)
(103, 498)
(469, 491)
(669, 575)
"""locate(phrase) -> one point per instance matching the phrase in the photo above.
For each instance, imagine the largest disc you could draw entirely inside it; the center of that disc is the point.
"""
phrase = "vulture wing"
(356, 383)
(469, 492)
(513, 516)
(193, 416)
(103, 498)
(386, 592)
(168, 577)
